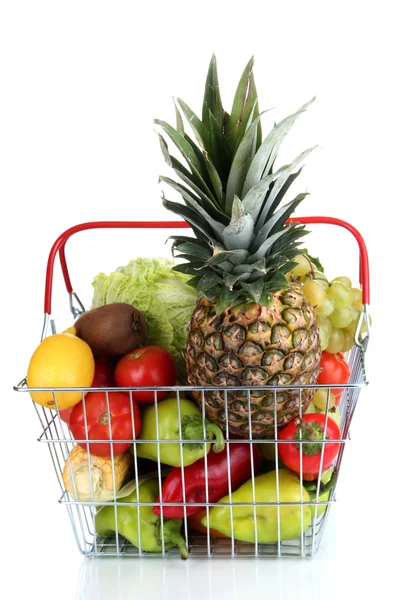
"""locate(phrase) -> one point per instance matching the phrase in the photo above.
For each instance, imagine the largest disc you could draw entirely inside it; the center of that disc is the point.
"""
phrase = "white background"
(80, 85)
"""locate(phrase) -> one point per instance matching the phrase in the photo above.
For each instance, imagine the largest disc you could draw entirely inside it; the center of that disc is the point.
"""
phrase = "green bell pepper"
(150, 524)
(168, 429)
(266, 516)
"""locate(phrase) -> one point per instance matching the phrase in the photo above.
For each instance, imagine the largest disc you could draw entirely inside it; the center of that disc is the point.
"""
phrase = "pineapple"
(251, 325)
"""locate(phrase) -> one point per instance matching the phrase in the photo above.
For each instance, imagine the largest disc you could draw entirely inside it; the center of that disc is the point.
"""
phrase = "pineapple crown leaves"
(232, 197)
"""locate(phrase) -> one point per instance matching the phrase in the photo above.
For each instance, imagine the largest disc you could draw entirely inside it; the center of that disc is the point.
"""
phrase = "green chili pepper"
(168, 429)
(150, 524)
(266, 517)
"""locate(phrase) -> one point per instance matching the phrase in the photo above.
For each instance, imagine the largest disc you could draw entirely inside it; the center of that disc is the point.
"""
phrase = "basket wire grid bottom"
(106, 546)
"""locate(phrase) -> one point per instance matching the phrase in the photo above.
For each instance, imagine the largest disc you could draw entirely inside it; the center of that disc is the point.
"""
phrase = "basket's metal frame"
(56, 434)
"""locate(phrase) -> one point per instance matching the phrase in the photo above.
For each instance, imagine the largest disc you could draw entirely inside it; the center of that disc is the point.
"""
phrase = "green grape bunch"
(337, 303)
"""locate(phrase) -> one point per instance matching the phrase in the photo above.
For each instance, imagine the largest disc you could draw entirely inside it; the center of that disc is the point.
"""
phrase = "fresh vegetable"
(167, 415)
(334, 369)
(195, 523)
(103, 373)
(141, 529)
(208, 475)
(92, 420)
(161, 294)
(148, 366)
(263, 519)
(82, 480)
(312, 430)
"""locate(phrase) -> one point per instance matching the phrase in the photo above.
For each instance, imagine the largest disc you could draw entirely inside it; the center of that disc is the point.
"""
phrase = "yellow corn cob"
(100, 472)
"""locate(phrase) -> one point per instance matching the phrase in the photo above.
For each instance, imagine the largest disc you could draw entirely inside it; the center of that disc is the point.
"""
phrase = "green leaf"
(187, 268)
(226, 298)
(241, 162)
(255, 289)
(284, 189)
(209, 280)
(208, 200)
(194, 250)
(197, 223)
(193, 281)
(258, 265)
(182, 144)
(164, 149)
(231, 279)
(263, 247)
(215, 180)
(239, 233)
(194, 122)
(314, 260)
(279, 183)
(290, 208)
(218, 257)
(212, 98)
(253, 200)
(179, 123)
(218, 149)
(267, 152)
(202, 200)
(277, 282)
(243, 104)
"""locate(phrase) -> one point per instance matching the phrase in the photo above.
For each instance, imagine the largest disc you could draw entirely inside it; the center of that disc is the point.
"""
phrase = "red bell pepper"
(196, 478)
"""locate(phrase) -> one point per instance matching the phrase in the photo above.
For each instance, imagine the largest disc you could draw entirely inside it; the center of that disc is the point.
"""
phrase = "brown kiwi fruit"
(112, 330)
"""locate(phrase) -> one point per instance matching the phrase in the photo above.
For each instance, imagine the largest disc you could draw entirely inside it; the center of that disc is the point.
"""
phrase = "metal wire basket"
(311, 507)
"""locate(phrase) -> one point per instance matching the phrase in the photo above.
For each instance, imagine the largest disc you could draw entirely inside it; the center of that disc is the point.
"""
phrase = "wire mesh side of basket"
(57, 436)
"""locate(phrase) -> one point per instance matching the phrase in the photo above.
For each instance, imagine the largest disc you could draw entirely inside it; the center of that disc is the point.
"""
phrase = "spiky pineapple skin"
(253, 345)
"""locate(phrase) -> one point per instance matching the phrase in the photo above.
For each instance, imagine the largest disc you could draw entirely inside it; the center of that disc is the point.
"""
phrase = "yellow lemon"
(60, 360)
(71, 330)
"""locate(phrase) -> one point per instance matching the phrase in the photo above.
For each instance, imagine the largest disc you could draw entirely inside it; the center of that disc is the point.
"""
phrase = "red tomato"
(312, 429)
(103, 373)
(66, 413)
(149, 366)
(334, 369)
(103, 377)
(99, 420)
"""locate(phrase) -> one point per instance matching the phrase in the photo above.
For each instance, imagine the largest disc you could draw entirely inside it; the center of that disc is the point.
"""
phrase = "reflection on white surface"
(173, 579)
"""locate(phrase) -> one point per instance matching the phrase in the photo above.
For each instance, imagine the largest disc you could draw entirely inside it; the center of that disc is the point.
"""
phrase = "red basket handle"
(59, 246)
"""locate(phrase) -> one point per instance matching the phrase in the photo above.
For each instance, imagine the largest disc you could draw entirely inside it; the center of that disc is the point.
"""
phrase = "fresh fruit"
(325, 330)
(149, 366)
(303, 266)
(70, 330)
(357, 298)
(334, 370)
(312, 429)
(345, 280)
(250, 325)
(98, 415)
(103, 377)
(112, 329)
(336, 341)
(314, 292)
(60, 360)
(322, 397)
(341, 317)
(333, 412)
(103, 373)
(325, 309)
(340, 294)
